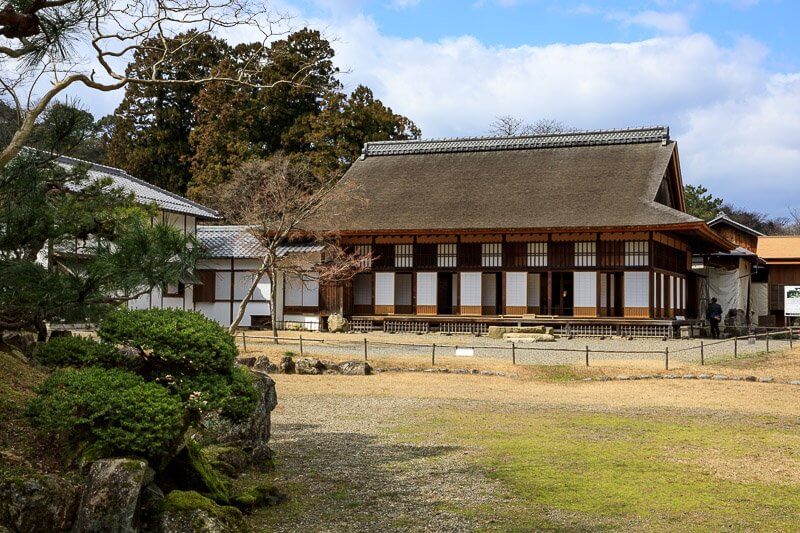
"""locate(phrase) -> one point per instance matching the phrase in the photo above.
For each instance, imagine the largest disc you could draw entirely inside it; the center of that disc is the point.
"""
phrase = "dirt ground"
(419, 451)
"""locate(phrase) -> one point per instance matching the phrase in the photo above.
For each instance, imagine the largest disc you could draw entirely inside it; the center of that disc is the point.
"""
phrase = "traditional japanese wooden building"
(579, 227)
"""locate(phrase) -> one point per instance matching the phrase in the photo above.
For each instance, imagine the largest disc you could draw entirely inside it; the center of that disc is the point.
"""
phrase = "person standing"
(714, 316)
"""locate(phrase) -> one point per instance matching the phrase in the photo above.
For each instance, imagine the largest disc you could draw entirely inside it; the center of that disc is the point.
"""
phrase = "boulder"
(263, 364)
(355, 368)
(111, 496)
(331, 367)
(37, 503)
(338, 323)
(190, 512)
(252, 434)
(23, 341)
(309, 365)
(528, 337)
(498, 332)
(287, 365)
(247, 360)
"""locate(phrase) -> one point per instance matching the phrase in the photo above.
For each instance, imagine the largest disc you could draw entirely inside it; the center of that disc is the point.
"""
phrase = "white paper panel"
(311, 292)
(637, 292)
(222, 290)
(292, 291)
(243, 282)
(426, 288)
(517, 289)
(470, 289)
(534, 289)
(585, 289)
(384, 288)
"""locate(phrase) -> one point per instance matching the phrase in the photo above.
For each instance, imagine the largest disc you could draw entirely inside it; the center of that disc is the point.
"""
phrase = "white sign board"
(465, 352)
(791, 300)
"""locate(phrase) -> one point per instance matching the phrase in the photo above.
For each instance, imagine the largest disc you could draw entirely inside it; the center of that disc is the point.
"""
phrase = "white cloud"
(674, 23)
(403, 4)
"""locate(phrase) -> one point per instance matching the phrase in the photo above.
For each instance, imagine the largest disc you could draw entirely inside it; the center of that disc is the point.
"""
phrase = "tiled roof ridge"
(119, 172)
(518, 142)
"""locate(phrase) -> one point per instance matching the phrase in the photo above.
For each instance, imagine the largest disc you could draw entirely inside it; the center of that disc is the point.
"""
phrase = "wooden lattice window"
(637, 253)
(403, 255)
(585, 254)
(365, 251)
(492, 254)
(446, 255)
(537, 254)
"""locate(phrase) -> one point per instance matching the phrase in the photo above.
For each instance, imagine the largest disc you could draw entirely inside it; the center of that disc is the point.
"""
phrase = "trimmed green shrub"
(78, 352)
(189, 354)
(175, 340)
(113, 411)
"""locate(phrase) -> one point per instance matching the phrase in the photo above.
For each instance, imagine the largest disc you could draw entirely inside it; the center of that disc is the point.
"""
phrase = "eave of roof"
(164, 199)
(724, 218)
(237, 242)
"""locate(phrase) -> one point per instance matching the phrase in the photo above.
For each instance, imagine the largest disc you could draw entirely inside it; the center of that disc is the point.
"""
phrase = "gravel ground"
(351, 474)
(541, 353)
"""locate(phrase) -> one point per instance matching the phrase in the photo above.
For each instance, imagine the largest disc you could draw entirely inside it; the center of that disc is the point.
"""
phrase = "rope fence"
(782, 334)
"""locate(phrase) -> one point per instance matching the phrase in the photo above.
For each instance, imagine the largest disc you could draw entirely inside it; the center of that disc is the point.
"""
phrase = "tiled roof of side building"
(238, 243)
(144, 192)
(785, 248)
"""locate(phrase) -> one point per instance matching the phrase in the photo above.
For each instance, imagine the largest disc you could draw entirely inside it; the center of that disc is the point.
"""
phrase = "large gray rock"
(24, 341)
(497, 332)
(338, 323)
(111, 496)
(252, 434)
(355, 368)
(287, 365)
(309, 365)
(190, 512)
(263, 364)
(528, 337)
(37, 503)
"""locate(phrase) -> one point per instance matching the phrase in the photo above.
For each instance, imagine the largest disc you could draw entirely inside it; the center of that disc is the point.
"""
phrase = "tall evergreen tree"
(151, 126)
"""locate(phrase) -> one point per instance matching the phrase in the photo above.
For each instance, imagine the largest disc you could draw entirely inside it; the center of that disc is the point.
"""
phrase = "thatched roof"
(573, 180)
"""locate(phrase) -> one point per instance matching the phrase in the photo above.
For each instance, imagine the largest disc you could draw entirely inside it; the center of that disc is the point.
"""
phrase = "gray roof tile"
(237, 242)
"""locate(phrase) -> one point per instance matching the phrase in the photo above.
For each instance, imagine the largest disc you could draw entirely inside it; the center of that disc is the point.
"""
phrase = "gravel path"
(352, 475)
(555, 353)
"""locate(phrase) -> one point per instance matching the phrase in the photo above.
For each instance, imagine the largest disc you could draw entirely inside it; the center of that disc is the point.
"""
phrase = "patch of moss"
(182, 501)
(209, 480)
(258, 496)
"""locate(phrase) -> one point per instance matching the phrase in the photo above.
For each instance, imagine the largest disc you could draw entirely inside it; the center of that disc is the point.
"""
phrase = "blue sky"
(723, 74)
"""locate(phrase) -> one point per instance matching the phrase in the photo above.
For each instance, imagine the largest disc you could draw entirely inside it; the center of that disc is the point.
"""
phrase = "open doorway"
(611, 295)
(491, 293)
(563, 293)
(445, 289)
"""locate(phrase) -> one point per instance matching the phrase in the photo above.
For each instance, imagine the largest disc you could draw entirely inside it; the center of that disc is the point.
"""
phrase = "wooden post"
(513, 353)
(587, 356)
(735, 347)
(301, 346)
(702, 354)
(666, 357)
(791, 334)
(244, 341)
(365, 348)
(768, 342)
(433, 354)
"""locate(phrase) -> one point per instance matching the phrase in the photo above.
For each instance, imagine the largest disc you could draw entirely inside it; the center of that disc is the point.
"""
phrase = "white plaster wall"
(516, 289)
(470, 284)
(637, 290)
(585, 287)
(426, 288)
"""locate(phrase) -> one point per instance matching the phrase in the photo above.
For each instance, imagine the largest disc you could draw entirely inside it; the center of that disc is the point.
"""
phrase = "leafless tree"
(276, 198)
(509, 125)
(47, 46)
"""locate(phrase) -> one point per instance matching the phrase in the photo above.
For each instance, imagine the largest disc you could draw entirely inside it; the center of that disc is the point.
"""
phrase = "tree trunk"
(247, 297)
(273, 299)
(41, 330)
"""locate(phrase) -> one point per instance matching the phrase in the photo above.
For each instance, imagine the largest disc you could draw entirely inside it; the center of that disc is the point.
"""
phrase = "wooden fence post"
(768, 342)
(513, 353)
(587, 355)
(666, 357)
(702, 354)
(365, 348)
(301, 345)
(244, 341)
(735, 347)
(791, 335)
(433, 354)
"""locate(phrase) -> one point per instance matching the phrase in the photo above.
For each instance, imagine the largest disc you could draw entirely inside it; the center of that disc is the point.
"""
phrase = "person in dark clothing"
(714, 316)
